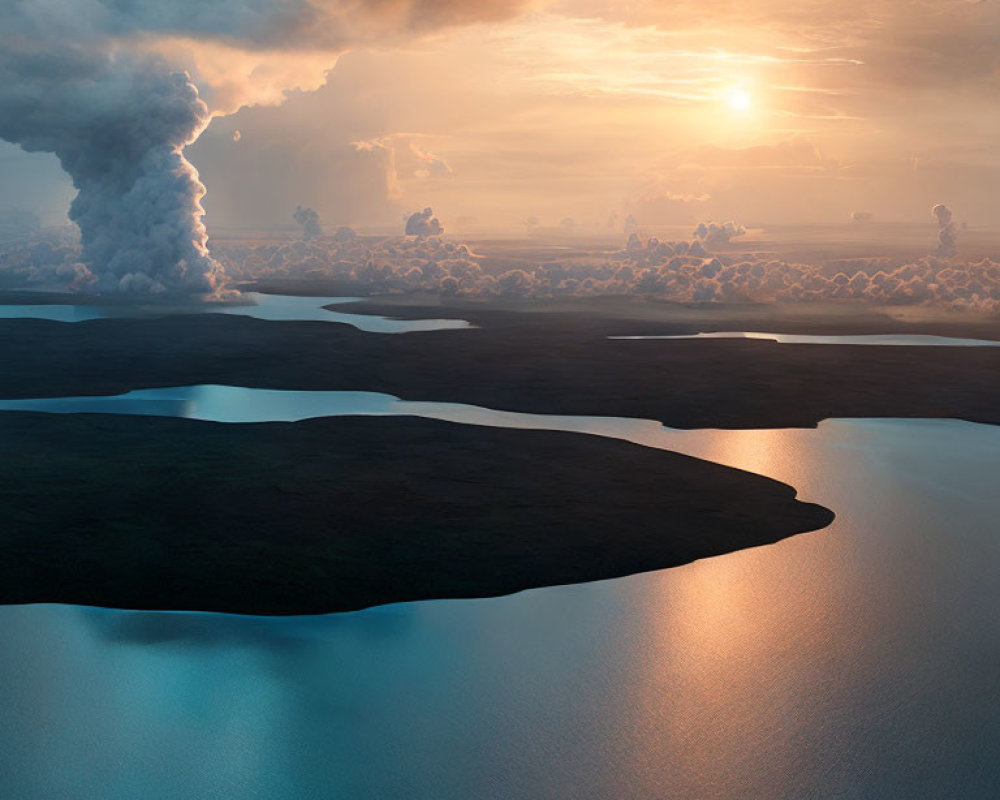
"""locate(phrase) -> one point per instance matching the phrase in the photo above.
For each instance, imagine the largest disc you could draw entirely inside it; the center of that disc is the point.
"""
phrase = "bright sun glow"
(738, 100)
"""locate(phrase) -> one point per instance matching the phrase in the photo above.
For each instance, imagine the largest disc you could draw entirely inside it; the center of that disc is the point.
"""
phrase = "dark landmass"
(339, 514)
(645, 316)
(548, 359)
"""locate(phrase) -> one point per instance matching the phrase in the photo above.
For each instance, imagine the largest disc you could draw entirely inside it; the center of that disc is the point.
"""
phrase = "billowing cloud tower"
(947, 231)
(118, 124)
(111, 87)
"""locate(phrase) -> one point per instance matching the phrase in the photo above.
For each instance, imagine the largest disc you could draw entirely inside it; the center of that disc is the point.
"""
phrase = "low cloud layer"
(679, 271)
(676, 271)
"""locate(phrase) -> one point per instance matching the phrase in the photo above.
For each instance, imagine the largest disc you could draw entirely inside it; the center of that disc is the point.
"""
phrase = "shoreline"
(340, 514)
(530, 362)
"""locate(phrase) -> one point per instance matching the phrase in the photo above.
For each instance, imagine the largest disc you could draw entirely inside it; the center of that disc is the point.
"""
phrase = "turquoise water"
(273, 307)
(861, 661)
(286, 308)
(881, 339)
(54, 313)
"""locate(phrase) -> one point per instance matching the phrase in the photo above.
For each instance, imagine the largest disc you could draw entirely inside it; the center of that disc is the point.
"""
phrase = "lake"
(272, 307)
(860, 661)
(876, 339)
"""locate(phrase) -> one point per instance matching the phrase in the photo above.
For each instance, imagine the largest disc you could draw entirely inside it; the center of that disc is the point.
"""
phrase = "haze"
(676, 112)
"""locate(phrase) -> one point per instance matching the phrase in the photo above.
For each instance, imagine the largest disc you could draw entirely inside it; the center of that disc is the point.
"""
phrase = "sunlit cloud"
(585, 108)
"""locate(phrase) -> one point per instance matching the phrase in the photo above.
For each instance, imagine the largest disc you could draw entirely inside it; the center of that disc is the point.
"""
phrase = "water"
(237, 404)
(53, 313)
(880, 339)
(286, 308)
(272, 307)
(861, 661)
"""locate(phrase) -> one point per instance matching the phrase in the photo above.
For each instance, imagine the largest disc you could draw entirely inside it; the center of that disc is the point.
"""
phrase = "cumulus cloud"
(718, 234)
(423, 223)
(118, 122)
(947, 231)
(677, 271)
(396, 264)
(117, 90)
(309, 220)
(46, 259)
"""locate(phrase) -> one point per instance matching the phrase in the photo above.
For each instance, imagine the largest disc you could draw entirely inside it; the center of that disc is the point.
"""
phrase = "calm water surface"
(273, 307)
(882, 339)
(862, 661)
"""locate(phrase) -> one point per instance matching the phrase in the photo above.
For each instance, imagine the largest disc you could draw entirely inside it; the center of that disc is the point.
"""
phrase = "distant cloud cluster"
(947, 231)
(423, 223)
(309, 220)
(397, 264)
(716, 234)
(678, 271)
(681, 271)
(51, 260)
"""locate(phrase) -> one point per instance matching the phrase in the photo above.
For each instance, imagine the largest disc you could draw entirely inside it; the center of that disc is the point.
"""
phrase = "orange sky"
(763, 111)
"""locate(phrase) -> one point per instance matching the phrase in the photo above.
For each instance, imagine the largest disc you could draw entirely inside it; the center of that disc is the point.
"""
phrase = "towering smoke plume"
(309, 220)
(93, 82)
(948, 231)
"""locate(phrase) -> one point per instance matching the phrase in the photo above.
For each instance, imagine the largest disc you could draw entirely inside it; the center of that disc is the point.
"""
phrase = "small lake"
(272, 307)
(878, 339)
(861, 661)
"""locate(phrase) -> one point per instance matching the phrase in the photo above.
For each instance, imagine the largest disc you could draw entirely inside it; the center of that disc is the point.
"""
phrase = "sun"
(739, 100)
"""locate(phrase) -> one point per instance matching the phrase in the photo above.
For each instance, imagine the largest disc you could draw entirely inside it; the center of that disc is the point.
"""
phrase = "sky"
(493, 112)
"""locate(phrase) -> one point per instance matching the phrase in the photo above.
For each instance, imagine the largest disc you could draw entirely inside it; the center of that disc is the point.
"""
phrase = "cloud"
(309, 220)
(431, 165)
(423, 223)
(117, 90)
(118, 122)
(382, 148)
(676, 271)
(403, 158)
(46, 259)
(947, 231)
(716, 234)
